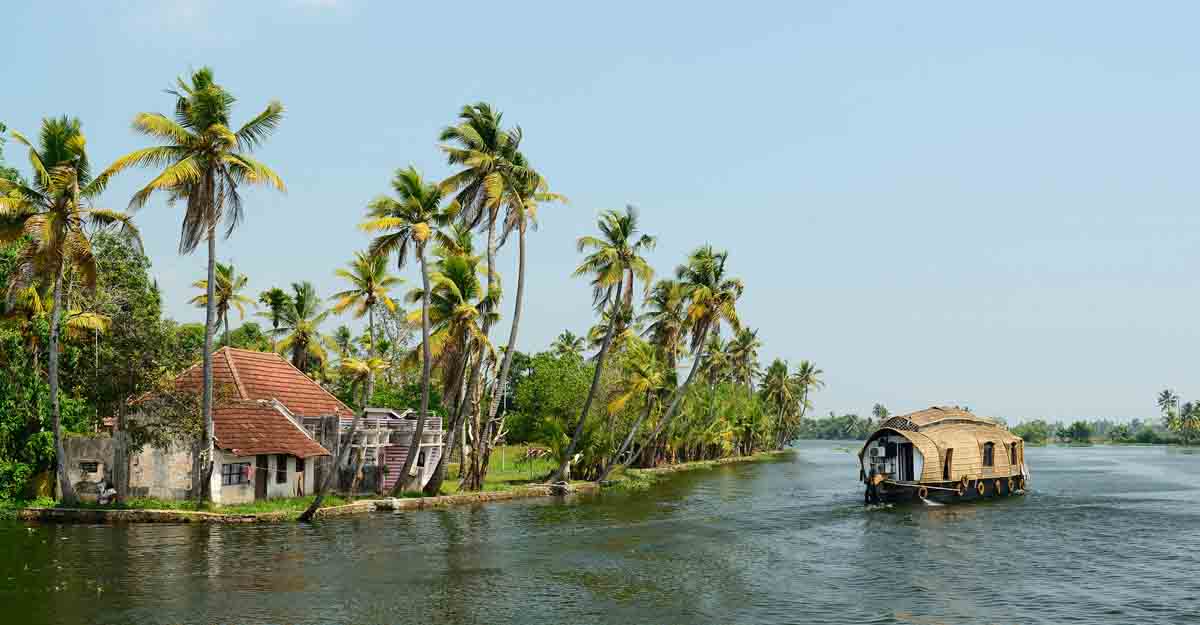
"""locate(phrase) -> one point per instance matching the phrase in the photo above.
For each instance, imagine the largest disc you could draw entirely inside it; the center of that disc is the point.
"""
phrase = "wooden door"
(260, 477)
(906, 462)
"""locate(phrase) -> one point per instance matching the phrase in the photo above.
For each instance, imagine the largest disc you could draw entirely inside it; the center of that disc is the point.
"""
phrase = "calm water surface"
(1107, 535)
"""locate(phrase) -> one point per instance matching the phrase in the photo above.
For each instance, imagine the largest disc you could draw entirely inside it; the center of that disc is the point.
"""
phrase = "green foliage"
(1036, 432)
(549, 395)
(837, 427)
(394, 396)
(249, 335)
(1077, 432)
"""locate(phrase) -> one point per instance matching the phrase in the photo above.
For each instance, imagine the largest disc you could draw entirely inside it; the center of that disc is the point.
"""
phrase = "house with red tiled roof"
(262, 449)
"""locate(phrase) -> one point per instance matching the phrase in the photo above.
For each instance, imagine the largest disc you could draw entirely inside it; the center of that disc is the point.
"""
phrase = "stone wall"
(161, 473)
(89, 462)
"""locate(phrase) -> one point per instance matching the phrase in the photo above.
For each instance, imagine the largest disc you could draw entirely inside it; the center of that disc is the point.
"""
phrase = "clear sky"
(936, 202)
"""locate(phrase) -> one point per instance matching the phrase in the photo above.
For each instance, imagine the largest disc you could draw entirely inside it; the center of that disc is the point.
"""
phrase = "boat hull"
(993, 488)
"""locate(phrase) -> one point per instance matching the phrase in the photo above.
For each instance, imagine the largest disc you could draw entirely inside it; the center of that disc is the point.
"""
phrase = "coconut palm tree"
(276, 300)
(228, 293)
(407, 223)
(617, 252)
(568, 344)
(343, 338)
(806, 379)
(301, 329)
(370, 284)
(643, 377)
(743, 354)
(204, 163)
(665, 319)
(778, 391)
(53, 218)
(711, 297)
(1168, 401)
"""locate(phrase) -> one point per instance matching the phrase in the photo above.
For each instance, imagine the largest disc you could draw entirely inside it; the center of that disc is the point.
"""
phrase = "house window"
(947, 464)
(299, 465)
(234, 473)
(89, 467)
(989, 454)
(281, 468)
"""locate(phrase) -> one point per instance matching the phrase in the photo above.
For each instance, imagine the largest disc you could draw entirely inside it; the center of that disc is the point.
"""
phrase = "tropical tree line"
(668, 372)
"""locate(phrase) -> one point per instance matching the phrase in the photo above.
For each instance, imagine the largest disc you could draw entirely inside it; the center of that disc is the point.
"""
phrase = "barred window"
(989, 454)
(233, 473)
(280, 468)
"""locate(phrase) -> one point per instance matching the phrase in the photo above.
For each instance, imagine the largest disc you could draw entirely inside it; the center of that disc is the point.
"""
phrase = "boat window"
(989, 454)
(1012, 454)
(947, 464)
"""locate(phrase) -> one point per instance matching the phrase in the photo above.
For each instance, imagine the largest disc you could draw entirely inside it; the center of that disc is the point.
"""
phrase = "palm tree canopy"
(53, 214)
(408, 219)
(202, 161)
(711, 294)
(568, 343)
(616, 251)
(300, 327)
(276, 300)
(227, 291)
(370, 283)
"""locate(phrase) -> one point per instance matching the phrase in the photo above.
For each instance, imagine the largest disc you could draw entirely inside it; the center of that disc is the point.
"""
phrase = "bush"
(14, 478)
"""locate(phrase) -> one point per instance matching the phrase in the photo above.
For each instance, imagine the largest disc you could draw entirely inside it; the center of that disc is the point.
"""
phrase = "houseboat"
(942, 454)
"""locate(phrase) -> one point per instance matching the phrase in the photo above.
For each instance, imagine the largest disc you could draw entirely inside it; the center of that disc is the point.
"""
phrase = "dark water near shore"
(1107, 535)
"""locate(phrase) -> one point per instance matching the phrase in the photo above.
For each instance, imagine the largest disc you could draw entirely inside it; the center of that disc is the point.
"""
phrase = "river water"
(1106, 535)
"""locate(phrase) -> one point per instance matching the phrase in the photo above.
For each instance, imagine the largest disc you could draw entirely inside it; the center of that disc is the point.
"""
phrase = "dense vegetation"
(669, 371)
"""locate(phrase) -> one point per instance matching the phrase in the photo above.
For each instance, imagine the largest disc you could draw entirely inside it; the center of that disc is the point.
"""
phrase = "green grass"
(290, 505)
(504, 472)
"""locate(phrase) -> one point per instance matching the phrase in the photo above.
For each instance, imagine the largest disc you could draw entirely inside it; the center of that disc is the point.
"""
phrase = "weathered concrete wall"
(82, 452)
(161, 473)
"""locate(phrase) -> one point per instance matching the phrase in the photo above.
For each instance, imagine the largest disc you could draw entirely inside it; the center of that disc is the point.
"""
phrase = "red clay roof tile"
(250, 428)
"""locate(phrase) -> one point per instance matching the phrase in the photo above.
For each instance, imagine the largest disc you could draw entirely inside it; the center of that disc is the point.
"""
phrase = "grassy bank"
(640, 479)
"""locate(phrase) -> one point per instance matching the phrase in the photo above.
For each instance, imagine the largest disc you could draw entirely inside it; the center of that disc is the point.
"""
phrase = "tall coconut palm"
(568, 344)
(743, 354)
(644, 377)
(276, 301)
(370, 284)
(407, 223)
(524, 190)
(778, 391)
(617, 252)
(711, 297)
(301, 329)
(53, 217)
(204, 163)
(343, 339)
(228, 293)
(806, 379)
(1168, 401)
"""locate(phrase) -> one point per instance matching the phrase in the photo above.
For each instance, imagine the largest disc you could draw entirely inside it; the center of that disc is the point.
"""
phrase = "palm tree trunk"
(477, 370)
(434, 487)
(615, 461)
(414, 447)
(587, 404)
(677, 396)
(204, 489)
(510, 349)
(334, 468)
(370, 355)
(65, 489)
(226, 315)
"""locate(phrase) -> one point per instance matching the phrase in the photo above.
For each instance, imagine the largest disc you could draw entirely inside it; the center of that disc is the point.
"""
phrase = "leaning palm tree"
(617, 252)
(665, 319)
(568, 344)
(301, 329)
(644, 377)
(407, 223)
(370, 283)
(806, 378)
(53, 220)
(228, 293)
(711, 300)
(204, 163)
(276, 300)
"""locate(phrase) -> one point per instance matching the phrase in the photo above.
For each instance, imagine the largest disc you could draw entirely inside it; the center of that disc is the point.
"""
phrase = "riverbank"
(284, 510)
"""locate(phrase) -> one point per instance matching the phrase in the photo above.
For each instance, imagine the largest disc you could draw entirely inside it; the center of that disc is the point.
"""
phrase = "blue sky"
(936, 202)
